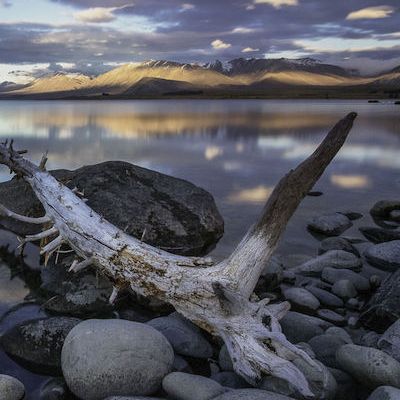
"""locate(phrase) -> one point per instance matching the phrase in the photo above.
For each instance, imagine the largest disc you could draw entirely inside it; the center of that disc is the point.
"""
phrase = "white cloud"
(278, 3)
(187, 7)
(218, 44)
(244, 30)
(98, 14)
(371, 13)
(249, 50)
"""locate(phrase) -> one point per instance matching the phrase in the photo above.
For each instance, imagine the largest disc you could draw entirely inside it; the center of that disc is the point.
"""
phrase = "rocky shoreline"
(344, 313)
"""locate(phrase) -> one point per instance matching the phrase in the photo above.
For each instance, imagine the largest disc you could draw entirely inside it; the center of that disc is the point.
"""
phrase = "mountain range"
(240, 77)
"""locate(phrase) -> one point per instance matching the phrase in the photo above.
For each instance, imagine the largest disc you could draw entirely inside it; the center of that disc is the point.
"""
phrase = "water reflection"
(237, 150)
(350, 181)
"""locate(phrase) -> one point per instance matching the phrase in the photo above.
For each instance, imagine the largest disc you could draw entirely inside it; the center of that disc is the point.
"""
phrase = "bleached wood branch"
(215, 298)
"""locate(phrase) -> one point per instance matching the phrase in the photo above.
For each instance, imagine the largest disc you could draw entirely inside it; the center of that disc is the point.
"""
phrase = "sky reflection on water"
(237, 150)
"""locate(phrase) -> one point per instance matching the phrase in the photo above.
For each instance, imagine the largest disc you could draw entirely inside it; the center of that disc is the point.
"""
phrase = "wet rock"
(369, 366)
(185, 337)
(133, 398)
(347, 389)
(181, 386)
(37, 344)
(337, 243)
(333, 275)
(383, 309)
(141, 357)
(230, 379)
(272, 274)
(325, 347)
(79, 295)
(290, 261)
(383, 209)
(331, 316)
(330, 225)
(181, 365)
(11, 388)
(339, 332)
(370, 339)
(352, 304)
(352, 215)
(301, 328)
(379, 235)
(326, 298)
(385, 393)
(175, 214)
(344, 289)
(19, 314)
(385, 256)
(301, 299)
(334, 259)
(389, 342)
(251, 394)
(54, 389)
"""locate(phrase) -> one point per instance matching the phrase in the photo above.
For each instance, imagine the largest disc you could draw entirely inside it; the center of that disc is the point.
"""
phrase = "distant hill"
(253, 77)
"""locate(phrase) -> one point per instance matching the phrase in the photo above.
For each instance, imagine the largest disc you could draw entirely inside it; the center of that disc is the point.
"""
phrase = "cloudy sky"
(94, 35)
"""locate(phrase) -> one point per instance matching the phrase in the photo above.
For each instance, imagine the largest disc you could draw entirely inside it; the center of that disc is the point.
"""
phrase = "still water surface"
(237, 150)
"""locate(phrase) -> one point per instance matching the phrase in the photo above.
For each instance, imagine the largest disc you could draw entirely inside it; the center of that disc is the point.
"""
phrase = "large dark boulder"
(174, 214)
(36, 344)
(383, 309)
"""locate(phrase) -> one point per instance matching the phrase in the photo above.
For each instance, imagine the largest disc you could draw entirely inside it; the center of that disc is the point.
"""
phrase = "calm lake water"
(237, 150)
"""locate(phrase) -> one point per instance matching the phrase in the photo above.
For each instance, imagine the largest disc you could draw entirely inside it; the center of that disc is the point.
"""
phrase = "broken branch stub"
(215, 298)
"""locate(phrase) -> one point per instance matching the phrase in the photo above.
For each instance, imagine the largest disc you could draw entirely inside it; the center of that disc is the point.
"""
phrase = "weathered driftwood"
(215, 297)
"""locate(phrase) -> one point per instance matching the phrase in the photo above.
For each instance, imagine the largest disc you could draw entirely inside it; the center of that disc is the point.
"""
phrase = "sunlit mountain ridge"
(239, 77)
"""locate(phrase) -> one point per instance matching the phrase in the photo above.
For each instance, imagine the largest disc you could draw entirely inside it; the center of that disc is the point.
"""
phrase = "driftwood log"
(216, 297)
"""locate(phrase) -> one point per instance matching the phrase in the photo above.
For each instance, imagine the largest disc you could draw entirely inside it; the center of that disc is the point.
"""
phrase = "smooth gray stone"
(389, 342)
(337, 243)
(11, 388)
(331, 316)
(330, 225)
(185, 337)
(326, 298)
(339, 332)
(333, 258)
(385, 256)
(133, 398)
(301, 328)
(369, 366)
(230, 379)
(379, 235)
(301, 299)
(181, 386)
(111, 357)
(325, 347)
(37, 344)
(332, 275)
(251, 394)
(344, 289)
(385, 393)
